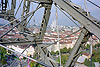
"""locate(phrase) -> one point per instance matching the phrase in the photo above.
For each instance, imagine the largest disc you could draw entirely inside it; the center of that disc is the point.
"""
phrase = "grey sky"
(62, 19)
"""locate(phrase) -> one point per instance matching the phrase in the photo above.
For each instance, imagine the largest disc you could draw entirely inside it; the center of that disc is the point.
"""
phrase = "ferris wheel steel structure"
(91, 26)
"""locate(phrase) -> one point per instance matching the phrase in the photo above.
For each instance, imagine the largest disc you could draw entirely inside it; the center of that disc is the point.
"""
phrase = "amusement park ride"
(91, 26)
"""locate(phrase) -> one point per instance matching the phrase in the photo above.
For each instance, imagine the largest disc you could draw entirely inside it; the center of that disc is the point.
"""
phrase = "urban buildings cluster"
(51, 36)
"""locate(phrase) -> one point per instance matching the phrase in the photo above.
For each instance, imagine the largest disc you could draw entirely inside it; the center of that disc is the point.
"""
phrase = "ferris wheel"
(11, 10)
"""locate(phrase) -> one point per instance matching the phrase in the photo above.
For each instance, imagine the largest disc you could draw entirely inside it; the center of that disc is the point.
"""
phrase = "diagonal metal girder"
(45, 19)
(43, 53)
(25, 56)
(89, 22)
(83, 38)
(46, 56)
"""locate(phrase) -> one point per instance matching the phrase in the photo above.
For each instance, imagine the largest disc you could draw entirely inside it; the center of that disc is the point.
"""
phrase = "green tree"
(87, 46)
(87, 63)
(64, 58)
(57, 52)
(61, 50)
(52, 53)
(69, 50)
(3, 61)
(97, 45)
(65, 50)
(24, 58)
(32, 64)
(3, 52)
(96, 56)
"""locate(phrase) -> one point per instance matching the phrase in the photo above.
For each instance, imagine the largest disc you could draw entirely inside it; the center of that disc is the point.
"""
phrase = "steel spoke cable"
(67, 16)
(26, 56)
(18, 23)
(13, 27)
(64, 37)
(71, 33)
(58, 34)
(10, 40)
(20, 10)
(39, 42)
(93, 3)
(29, 19)
(18, 7)
(21, 53)
(32, 12)
(85, 2)
(40, 2)
(33, 15)
(8, 6)
(35, 1)
(91, 43)
(90, 34)
(27, 15)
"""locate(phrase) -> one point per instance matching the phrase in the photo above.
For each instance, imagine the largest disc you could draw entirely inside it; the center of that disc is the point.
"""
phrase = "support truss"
(90, 24)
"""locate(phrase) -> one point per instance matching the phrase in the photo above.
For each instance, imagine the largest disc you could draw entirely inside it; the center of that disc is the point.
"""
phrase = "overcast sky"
(62, 19)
